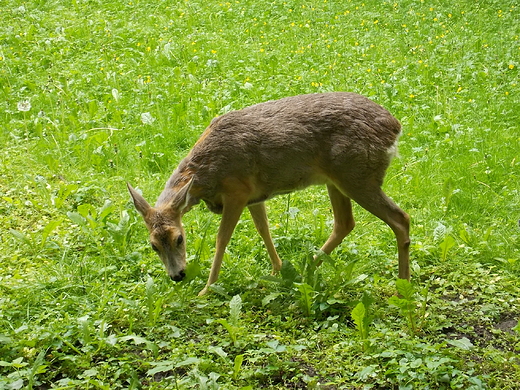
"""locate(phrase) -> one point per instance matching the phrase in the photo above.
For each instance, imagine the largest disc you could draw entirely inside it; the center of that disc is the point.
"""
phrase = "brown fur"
(245, 157)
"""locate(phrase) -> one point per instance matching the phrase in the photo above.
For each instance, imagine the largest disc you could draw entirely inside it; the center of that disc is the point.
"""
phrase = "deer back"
(284, 145)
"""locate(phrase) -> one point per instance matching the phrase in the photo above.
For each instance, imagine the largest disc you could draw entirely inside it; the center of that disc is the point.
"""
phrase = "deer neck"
(179, 178)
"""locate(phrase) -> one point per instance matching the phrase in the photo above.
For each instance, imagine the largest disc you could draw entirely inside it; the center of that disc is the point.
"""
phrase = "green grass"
(97, 93)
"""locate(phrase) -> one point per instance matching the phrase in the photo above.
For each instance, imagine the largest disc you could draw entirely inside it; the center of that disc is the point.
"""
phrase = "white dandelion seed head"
(24, 105)
(147, 118)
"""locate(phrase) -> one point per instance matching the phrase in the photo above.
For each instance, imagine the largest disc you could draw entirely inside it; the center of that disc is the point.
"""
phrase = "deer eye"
(154, 247)
(180, 240)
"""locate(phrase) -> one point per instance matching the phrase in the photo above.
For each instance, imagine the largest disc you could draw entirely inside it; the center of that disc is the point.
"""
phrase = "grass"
(97, 93)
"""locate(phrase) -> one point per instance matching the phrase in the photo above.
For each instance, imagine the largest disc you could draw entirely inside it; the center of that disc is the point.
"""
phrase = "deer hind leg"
(262, 225)
(232, 209)
(343, 219)
(371, 197)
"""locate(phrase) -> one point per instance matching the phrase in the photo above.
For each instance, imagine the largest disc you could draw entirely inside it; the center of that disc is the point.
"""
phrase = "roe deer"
(245, 157)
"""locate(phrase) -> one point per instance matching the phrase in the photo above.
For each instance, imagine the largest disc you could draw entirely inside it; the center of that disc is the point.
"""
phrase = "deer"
(339, 139)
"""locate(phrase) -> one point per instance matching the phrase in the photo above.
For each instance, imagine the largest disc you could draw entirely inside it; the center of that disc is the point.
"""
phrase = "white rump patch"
(392, 150)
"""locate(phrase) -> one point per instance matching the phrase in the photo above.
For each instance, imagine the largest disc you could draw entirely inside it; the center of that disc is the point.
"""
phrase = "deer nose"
(179, 276)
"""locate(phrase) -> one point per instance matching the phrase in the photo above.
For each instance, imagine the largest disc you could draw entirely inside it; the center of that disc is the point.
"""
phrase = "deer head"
(165, 226)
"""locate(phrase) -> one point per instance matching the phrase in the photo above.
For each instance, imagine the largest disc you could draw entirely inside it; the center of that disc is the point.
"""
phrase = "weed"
(407, 303)
(362, 318)
(233, 325)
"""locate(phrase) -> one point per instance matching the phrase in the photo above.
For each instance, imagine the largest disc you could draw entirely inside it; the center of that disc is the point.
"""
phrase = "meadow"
(95, 94)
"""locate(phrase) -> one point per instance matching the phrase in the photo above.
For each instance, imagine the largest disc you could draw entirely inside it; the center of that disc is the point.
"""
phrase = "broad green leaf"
(271, 278)
(217, 288)
(230, 328)
(150, 289)
(192, 270)
(289, 273)
(405, 288)
(16, 363)
(20, 237)
(366, 372)
(77, 218)
(463, 343)
(307, 297)
(47, 230)
(239, 359)
(445, 246)
(87, 209)
(276, 346)
(16, 385)
(235, 309)
(136, 339)
(218, 351)
(105, 211)
(416, 363)
(189, 361)
(517, 328)
(396, 301)
(161, 367)
(271, 297)
(358, 316)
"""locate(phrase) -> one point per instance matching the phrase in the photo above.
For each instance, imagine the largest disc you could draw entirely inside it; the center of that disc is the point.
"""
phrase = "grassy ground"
(97, 93)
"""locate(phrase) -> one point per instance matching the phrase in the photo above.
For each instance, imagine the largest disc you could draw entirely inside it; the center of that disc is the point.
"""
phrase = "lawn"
(95, 94)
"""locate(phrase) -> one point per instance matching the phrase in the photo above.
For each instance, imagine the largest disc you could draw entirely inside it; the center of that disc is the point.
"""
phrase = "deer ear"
(140, 203)
(182, 200)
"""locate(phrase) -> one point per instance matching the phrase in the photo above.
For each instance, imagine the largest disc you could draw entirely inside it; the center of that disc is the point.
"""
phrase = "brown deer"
(243, 158)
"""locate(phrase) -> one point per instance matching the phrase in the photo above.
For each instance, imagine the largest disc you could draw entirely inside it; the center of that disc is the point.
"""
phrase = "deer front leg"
(232, 209)
(262, 225)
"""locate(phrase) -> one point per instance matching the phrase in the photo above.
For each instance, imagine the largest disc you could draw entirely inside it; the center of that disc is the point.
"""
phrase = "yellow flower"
(511, 66)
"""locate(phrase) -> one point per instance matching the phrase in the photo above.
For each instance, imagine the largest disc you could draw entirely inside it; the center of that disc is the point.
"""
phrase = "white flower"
(147, 118)
(24, 105)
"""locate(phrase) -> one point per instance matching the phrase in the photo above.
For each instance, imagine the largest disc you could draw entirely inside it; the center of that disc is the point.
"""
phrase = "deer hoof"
(204, 291)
